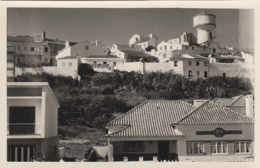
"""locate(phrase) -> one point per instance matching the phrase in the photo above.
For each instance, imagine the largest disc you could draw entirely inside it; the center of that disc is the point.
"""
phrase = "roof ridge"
(190, 112)
(236, 99)
(127, 112)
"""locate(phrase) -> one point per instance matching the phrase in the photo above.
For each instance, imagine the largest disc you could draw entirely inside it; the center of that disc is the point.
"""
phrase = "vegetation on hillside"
(93, 100)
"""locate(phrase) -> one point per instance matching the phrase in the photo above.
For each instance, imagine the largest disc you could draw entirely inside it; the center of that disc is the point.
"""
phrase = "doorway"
(163, 150)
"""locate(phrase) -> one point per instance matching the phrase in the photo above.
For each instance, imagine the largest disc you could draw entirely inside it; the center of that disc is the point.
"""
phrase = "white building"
(68, 66)
(32, 117)
(161, 130)
(143, 42)
(85, 48)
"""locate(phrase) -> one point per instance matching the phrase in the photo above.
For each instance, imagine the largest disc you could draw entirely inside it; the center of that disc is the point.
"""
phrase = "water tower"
(204, 24)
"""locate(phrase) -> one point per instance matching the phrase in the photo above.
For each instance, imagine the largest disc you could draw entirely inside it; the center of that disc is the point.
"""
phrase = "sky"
(118, 25)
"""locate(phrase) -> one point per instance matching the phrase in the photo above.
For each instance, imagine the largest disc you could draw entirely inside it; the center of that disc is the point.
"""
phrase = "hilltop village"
(183, 99)
(188, 55)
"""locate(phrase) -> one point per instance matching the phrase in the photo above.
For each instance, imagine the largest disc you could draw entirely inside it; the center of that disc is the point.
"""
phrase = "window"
(161, 48)
(21, 120)
(224, 75)
(198, 73)
(18, 48)
(189, 63)
(46, 49)
(165, 47)
(195, 148)
(242, 146)
(25, 48)
(63, 64)
(219, 147)
(205, 64)
(86, 47)
(94, 62)
(114, 63)
(205, 74)
(175, 63)
(164, 55)
(21, 153)
(192, 48)
(187, 47)
(32, 48)
(197, 63)
(134, 146)
(70, 64)
(189, 73)
(104, 62)
(171, 47)
(46, 60)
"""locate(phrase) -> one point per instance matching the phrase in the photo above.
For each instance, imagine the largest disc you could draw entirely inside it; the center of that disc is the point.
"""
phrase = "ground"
(78, 139)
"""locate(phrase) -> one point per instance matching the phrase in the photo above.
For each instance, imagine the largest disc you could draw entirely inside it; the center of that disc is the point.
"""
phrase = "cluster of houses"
(156, 130)
(187, 55)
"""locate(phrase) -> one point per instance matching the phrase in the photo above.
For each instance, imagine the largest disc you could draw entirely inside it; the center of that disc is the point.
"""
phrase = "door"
(163, 150)
(22, 120)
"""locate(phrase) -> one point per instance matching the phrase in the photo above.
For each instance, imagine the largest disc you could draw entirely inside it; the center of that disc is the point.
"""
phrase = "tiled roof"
(101, 56)
(234, 101)
(20, 38)
(153, 118)
(212, 113)
(136, 53)
(186, 56)
(69, 57)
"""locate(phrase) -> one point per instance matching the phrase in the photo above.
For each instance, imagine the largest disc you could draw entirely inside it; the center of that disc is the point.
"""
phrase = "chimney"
(249, 105)
(198, 102)
(98, 43)
(43, 36)
(67, 44)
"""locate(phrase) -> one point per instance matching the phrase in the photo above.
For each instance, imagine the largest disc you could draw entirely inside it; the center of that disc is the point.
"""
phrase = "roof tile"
(212, 113)
(152, 118)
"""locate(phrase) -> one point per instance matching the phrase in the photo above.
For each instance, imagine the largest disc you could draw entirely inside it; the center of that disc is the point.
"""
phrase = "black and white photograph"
(136, 84)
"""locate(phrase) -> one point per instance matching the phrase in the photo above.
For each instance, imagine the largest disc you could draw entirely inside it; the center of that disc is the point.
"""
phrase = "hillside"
(92, 101)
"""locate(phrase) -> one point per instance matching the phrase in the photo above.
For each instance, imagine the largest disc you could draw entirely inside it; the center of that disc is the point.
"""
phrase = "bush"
(100, 122)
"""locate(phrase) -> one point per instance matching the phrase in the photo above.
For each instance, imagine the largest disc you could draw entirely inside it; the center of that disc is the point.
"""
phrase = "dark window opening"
(133, 146)
(206, 74)
(189, 73)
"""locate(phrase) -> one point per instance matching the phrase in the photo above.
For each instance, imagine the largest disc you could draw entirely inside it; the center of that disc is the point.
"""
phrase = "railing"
(107, 66)
(21, 128)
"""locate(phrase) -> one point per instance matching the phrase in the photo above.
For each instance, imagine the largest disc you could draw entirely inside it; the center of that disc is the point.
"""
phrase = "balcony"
(21, 129)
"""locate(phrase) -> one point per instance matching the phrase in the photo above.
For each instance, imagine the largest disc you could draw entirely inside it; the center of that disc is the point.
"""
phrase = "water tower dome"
(204, 24)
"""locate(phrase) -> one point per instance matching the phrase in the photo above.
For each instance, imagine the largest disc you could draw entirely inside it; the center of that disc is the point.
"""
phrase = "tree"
(85, 69)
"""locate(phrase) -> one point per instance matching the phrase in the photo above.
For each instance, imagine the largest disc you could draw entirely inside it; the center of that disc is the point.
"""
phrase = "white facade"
(85, 48)
(68, 66)
(191, 67)
(32, 117)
